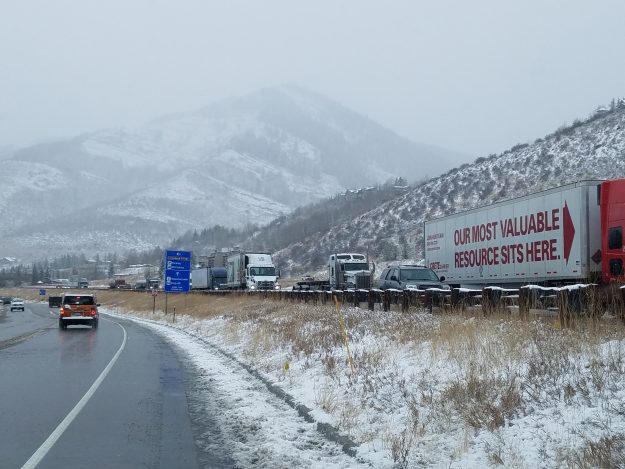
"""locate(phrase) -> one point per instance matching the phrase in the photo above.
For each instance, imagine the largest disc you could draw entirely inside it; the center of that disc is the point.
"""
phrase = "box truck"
(564, 235)
(208, 278)
(251, 271)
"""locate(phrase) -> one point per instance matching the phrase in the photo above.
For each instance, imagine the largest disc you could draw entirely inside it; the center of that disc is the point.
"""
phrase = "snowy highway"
(124, 396)
(56, 413)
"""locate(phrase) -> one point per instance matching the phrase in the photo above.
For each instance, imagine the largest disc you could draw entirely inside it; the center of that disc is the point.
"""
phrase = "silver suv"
(17, 303)
(410, 277)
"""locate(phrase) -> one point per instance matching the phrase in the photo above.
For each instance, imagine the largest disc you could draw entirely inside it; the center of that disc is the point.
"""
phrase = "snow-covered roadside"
(260, 429)
(433, 401)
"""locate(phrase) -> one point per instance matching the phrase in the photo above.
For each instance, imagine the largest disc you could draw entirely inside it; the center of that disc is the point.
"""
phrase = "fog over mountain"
(387, 222)
(393, 231)
(239, 161)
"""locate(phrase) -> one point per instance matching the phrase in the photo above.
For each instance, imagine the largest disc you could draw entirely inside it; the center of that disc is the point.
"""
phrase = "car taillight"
(93, 312)
(61, 311)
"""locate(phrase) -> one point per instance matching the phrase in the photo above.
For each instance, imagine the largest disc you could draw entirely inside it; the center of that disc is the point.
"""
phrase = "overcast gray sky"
(475, 76)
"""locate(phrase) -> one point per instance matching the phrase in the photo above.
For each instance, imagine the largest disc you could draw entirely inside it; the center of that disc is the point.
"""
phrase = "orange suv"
(78, 309)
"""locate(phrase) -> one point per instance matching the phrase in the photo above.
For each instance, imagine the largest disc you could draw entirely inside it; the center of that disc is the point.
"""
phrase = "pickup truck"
(17, 304)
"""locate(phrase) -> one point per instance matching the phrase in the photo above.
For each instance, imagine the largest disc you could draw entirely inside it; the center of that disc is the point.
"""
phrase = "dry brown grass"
(606, 452)
(483, 401)
(196, 305)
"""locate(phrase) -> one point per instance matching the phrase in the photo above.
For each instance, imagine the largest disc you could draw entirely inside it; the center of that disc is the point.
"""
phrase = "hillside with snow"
(240, 161)
(392, 231)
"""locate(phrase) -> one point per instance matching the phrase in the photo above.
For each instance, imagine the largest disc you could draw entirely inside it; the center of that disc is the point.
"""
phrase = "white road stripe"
(60, 429)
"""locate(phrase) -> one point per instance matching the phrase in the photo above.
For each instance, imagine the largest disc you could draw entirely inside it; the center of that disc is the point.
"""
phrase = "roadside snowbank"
(425, 390)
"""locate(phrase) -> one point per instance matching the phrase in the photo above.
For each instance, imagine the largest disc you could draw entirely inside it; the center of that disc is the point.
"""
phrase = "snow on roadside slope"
(507, 392)
(261, 429)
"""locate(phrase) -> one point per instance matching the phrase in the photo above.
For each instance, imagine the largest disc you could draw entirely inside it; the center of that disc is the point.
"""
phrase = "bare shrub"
(607, 452)
(348, 416)
(326, 398)
(484, 402)
(400, 448)
(547, 362)
(329, 363)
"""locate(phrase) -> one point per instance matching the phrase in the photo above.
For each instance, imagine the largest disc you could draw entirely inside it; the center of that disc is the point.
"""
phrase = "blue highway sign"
(177, 271)
(176, 284)
(178, 260)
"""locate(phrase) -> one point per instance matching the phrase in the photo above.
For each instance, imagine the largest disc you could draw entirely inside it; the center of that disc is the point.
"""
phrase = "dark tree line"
(66, 265)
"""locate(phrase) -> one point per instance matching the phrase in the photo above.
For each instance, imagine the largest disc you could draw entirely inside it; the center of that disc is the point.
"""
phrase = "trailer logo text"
(508, 229)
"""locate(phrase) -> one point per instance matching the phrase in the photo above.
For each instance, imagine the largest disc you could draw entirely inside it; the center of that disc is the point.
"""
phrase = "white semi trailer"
(251, 271)
(563, 235)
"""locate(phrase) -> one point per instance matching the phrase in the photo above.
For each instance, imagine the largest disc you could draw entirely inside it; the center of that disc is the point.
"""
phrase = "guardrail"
(568, 302)
(571, 301)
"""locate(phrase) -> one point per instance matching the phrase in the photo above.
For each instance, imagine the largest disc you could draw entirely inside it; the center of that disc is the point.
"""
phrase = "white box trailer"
(253, 271)
(552, 236)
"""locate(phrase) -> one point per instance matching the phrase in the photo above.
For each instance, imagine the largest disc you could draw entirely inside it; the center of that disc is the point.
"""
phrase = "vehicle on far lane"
(17, 304)
(79, 309)
(410, 277)
(54, 301)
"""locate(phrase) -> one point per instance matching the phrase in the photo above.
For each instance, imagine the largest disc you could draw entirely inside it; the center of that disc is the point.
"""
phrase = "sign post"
(177, 272)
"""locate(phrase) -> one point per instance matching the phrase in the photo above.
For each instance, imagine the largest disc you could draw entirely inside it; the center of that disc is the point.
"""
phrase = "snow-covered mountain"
(592, 149)
(239, 161)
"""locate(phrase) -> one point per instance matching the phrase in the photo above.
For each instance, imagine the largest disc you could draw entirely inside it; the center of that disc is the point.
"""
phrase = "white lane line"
(58, 431)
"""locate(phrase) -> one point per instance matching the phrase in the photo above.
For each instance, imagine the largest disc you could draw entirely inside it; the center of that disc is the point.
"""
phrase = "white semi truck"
(251, 271)
(78, 282)
(345, 271)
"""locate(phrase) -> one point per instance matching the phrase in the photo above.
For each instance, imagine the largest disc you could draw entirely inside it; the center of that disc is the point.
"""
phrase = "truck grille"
(363, 281)
(265, 285)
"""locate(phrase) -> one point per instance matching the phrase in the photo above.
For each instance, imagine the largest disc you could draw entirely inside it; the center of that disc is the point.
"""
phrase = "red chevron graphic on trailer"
(568, 231)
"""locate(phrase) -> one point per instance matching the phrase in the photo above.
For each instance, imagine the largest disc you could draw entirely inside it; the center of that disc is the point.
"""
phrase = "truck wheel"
(61, 324)
(94, 324)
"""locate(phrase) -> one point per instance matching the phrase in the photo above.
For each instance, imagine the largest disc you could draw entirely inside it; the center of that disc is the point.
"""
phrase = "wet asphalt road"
(138, 417)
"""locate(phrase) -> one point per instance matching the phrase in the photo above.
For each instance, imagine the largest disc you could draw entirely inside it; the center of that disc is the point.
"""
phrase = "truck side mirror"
(394, 278)
(278, 273)
(442, 278)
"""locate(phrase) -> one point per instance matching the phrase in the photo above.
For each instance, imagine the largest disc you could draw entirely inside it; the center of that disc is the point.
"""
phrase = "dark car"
(5, 300)
(54, 301)
(410, 277)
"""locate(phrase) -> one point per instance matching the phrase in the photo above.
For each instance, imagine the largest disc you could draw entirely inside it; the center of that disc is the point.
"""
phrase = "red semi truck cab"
(612, 202)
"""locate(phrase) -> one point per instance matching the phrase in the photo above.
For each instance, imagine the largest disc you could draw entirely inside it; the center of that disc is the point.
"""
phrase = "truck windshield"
(417, 274)
(270, 271)
(351, 266)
